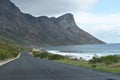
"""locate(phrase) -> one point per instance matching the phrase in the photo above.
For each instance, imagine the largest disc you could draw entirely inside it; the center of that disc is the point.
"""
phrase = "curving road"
(29, 68)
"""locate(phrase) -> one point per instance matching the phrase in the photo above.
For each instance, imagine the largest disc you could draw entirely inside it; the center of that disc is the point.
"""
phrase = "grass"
(8, 50)
(112, 67)
(108, 63)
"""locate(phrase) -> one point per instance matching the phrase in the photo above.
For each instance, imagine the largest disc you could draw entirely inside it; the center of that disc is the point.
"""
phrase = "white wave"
(83, 56)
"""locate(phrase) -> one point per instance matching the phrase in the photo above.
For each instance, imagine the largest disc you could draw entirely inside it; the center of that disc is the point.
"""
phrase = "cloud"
(91, 18)
(85, 4)
(105, 27)
(54, 7)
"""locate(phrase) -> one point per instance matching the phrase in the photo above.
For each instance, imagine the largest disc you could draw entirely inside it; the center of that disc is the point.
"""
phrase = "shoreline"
(79, 56)
(107, 63)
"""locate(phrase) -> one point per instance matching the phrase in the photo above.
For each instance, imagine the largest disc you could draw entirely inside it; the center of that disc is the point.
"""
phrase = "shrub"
(43, 54)
(95, 60)
(106, 59)
(112, 58)
(7, 50)
(93, 66)
(56, 57)
(108, 62)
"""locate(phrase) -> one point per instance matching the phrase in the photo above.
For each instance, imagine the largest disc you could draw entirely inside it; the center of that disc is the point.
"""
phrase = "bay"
(85, 52)
(101, 48)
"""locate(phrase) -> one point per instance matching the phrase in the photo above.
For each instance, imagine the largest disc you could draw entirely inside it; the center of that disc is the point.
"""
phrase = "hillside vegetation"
(109, 63)
(7, 49)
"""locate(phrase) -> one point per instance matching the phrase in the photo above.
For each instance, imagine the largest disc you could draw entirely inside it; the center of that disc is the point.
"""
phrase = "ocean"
(85, 51)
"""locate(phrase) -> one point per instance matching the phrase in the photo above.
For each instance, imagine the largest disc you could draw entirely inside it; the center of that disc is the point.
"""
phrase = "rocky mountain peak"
(27, 29)
(67, 20)
(3, 1)
(67, 16)
(43, 17)
(7, 5)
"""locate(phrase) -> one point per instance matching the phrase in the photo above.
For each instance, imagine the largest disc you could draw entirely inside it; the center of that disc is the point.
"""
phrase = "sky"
(101, 18)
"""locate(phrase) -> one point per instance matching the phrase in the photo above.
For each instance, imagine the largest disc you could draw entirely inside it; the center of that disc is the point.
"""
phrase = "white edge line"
(5, 62)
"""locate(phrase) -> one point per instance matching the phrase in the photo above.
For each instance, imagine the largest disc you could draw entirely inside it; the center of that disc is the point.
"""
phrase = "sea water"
(86, 52)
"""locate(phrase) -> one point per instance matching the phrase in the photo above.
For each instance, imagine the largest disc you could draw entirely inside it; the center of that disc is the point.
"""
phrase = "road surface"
(29, 68)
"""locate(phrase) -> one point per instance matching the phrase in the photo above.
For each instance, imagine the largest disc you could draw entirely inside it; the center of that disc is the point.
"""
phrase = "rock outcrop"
(27, 29)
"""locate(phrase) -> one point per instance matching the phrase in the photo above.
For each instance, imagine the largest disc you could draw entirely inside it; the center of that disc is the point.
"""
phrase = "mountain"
(26, 29)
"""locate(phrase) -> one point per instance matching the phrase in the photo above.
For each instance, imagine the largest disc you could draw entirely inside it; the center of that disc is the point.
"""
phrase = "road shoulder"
(9, 60)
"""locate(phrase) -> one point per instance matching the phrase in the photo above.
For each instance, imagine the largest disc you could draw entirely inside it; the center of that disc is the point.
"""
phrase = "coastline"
(85, 52)
(108, 63)
(79, 56)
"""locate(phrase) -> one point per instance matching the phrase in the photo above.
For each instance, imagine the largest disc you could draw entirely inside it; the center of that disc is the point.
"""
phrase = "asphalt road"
(29, 68)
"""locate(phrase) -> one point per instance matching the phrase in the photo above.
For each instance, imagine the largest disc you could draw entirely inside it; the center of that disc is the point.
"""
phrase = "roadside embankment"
(9, 60)
(110, 63)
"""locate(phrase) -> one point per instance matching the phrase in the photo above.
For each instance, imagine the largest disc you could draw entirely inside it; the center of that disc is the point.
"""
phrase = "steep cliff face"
(27, 29)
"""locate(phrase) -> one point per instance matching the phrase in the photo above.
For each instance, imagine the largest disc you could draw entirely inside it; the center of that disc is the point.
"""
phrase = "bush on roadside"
(106, 59)
(95, 60)
(94, 66)
(7, 50)
(46, 55)
(56, 57)
(40, 54)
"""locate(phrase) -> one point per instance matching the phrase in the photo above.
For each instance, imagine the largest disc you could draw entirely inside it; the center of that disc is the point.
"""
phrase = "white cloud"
(54, 7)
(104, 27)
(90, 18)
(85, 4)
